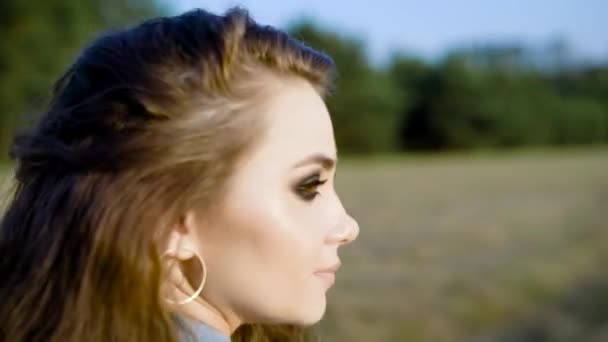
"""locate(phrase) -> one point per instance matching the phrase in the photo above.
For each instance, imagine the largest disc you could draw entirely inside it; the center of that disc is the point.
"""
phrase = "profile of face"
(269, 249)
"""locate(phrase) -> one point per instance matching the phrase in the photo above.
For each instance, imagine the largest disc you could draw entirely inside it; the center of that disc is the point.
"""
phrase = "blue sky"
(428, 28)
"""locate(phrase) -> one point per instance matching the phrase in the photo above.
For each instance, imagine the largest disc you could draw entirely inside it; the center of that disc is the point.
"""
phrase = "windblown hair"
(147, 123)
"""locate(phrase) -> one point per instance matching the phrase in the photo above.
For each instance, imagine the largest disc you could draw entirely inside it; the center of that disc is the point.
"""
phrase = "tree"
(365, 104)
(40, 39)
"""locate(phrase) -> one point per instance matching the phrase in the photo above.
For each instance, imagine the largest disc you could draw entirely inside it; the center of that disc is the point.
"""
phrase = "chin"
(301, 310)
(310, 313)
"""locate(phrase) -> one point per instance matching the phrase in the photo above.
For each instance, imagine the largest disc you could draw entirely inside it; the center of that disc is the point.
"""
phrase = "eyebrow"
(323, 160)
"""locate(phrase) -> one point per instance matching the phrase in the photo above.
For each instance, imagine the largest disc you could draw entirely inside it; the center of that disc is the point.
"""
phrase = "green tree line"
(483, 98)
(487, 97)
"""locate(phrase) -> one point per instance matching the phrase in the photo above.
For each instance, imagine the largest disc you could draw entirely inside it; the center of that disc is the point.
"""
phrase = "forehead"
(298, 123)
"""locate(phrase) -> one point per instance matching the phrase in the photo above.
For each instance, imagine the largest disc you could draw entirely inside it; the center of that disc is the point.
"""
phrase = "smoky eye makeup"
(306, 188)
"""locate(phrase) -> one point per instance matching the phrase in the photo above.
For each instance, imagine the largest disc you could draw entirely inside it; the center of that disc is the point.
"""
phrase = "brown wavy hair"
(147, 123)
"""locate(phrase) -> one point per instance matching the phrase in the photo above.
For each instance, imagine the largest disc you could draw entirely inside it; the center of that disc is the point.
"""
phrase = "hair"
(147, 123)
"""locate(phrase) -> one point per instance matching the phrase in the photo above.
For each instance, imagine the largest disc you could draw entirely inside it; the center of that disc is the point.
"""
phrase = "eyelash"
(309, 184)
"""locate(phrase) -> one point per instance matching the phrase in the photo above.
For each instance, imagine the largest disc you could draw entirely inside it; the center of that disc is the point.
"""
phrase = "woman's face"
(266, 246)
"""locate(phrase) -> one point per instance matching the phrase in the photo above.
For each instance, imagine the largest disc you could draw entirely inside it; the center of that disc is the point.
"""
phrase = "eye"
(307, 189)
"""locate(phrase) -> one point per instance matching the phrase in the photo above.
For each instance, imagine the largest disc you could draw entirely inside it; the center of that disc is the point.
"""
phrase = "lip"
(328, 274)
(328, 277)
(331, 269)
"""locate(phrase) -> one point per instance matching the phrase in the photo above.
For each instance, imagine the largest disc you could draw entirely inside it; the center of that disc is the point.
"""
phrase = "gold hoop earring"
(173, 253)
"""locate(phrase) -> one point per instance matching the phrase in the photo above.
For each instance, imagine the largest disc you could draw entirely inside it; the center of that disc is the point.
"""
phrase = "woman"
(180, 186)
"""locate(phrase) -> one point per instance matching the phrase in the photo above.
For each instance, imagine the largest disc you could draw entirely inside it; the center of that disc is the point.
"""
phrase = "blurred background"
(473, 140)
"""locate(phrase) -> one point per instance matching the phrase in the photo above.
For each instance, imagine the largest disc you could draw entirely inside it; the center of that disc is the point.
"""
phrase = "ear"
(182, 236)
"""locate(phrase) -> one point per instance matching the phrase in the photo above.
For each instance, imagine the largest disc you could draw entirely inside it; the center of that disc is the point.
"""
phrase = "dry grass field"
(502, 247)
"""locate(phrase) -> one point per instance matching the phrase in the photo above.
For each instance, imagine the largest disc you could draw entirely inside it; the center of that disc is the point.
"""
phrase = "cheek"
(273, 248)
(283, 238)
(282, 231)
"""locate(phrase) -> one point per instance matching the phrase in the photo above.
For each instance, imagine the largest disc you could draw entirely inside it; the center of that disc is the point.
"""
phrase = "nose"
(346, 231)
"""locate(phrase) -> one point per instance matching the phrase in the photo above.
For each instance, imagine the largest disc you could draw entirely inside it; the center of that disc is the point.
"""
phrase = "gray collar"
(202, 332)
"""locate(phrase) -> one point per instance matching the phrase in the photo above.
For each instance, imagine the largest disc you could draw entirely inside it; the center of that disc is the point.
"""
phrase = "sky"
(430, 28)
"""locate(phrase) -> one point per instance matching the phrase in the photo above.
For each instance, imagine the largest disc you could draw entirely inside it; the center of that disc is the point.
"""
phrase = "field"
(482, 247)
